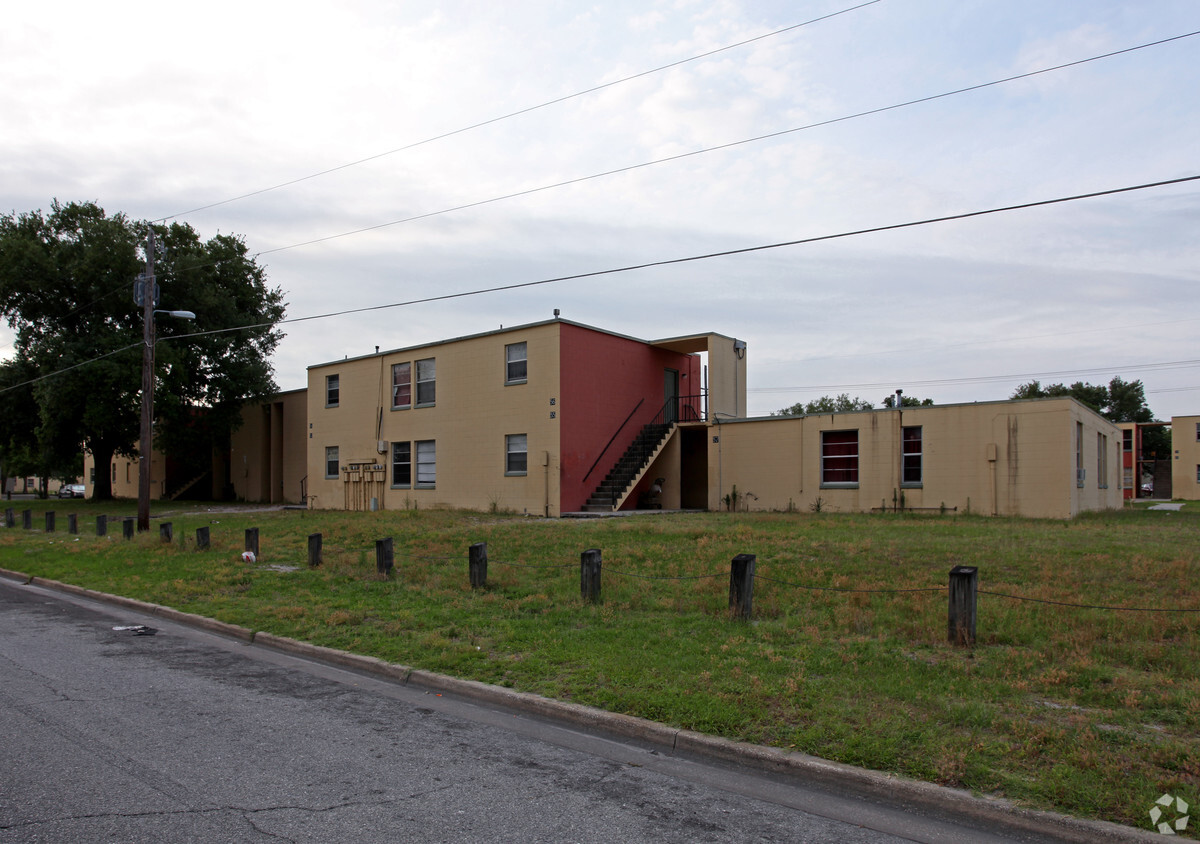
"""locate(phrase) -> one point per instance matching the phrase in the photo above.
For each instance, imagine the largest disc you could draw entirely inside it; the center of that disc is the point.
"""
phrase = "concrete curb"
(859, 781)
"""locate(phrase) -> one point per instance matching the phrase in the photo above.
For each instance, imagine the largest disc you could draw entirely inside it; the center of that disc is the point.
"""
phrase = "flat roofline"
(731, 420)
(524, 327)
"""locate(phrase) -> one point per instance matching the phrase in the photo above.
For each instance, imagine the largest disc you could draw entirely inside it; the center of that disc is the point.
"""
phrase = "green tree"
(826, 404)
(66, 282)
(18, 422)
(1120, 401)
(906, 401)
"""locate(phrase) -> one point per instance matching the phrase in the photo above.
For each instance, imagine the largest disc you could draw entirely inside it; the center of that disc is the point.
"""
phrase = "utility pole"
(145, 446)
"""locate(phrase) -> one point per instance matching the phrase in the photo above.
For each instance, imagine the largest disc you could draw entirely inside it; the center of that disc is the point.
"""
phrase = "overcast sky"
(155, 109)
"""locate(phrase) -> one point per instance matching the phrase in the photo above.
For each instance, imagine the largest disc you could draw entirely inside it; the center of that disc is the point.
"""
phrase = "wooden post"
(127, 526)
(72, 523)
(741, 585)
(202, 538)
(101, 525)
(964, 590)
(314, 549)
(10, 518)
(27, 519)
(477, 564)
(49, 521)
(252, 541)
(384, 560)
(589, 575)
(165, 532)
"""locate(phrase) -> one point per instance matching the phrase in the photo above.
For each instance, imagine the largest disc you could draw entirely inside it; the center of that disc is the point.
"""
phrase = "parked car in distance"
(71, 491)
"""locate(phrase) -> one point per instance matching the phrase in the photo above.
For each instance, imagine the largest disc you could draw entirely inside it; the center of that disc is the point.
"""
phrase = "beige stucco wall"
(269, 452)
(124, 474)
(1185, 449)
(726, 378)
(1002, 458)
(473, 411)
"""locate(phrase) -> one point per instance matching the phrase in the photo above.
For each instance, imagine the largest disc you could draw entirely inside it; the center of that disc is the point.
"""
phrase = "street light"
(145, 446)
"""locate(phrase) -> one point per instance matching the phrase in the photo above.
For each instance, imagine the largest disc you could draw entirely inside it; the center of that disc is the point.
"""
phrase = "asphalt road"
(107, 736)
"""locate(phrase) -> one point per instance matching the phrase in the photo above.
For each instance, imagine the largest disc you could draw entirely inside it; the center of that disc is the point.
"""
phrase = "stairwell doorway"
(670, 395)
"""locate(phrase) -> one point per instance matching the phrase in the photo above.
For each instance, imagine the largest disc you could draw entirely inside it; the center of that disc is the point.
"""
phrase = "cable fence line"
(665, 576)
(963, 588)
(846, 588)
(1086, 606)
(535, 565)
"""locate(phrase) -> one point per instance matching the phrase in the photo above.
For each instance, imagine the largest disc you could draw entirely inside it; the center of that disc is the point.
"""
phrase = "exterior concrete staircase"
(623, 477)
(180, 490)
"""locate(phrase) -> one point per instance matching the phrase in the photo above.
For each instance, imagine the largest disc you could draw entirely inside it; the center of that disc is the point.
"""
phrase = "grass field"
(1089, 710)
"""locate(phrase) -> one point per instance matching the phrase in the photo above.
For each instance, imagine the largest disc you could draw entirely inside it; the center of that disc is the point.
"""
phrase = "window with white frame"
(516, 363)
(516, 454)
(426, 463)
(839, 458)
(333, 393)
(401, 385)
(426, 381)
(911, 456)
(402, 464)
(331, 461)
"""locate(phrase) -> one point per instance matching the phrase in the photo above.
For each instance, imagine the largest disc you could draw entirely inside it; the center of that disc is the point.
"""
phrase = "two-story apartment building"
(534, 418)
(527, 419)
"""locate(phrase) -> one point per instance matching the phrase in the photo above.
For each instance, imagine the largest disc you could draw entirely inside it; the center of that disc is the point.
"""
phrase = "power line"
(519, 112)
(629, 168)
(719, 147)
(709, 255)
(672, 261)
(995, 341)
(984, 379)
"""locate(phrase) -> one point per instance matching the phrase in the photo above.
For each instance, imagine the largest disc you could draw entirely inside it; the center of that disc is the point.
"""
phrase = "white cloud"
(167, 108)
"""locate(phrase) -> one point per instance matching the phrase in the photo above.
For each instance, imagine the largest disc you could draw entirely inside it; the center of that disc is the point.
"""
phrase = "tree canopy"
(1119, 401)
(826, 404)
(66, 289)
(843, 403)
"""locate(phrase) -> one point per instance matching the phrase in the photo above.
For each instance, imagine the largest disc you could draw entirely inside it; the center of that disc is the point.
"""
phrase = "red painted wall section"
(603, 377)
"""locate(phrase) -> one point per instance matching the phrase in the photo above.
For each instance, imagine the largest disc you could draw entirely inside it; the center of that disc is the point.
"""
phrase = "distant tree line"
(843, 403)
(1118, 401)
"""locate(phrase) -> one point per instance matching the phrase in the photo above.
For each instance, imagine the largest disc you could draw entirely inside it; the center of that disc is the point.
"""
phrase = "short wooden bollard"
(27, 519)
(964, 592)
(202, 538)
(72, 523)
(741, 585)
(49, 521)
(477, 565)
(384, 560)
(314, 549)
(127, 527)
(101, 525)
(589, 575)
(252, 541)
(10, 518)
(166, 532)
